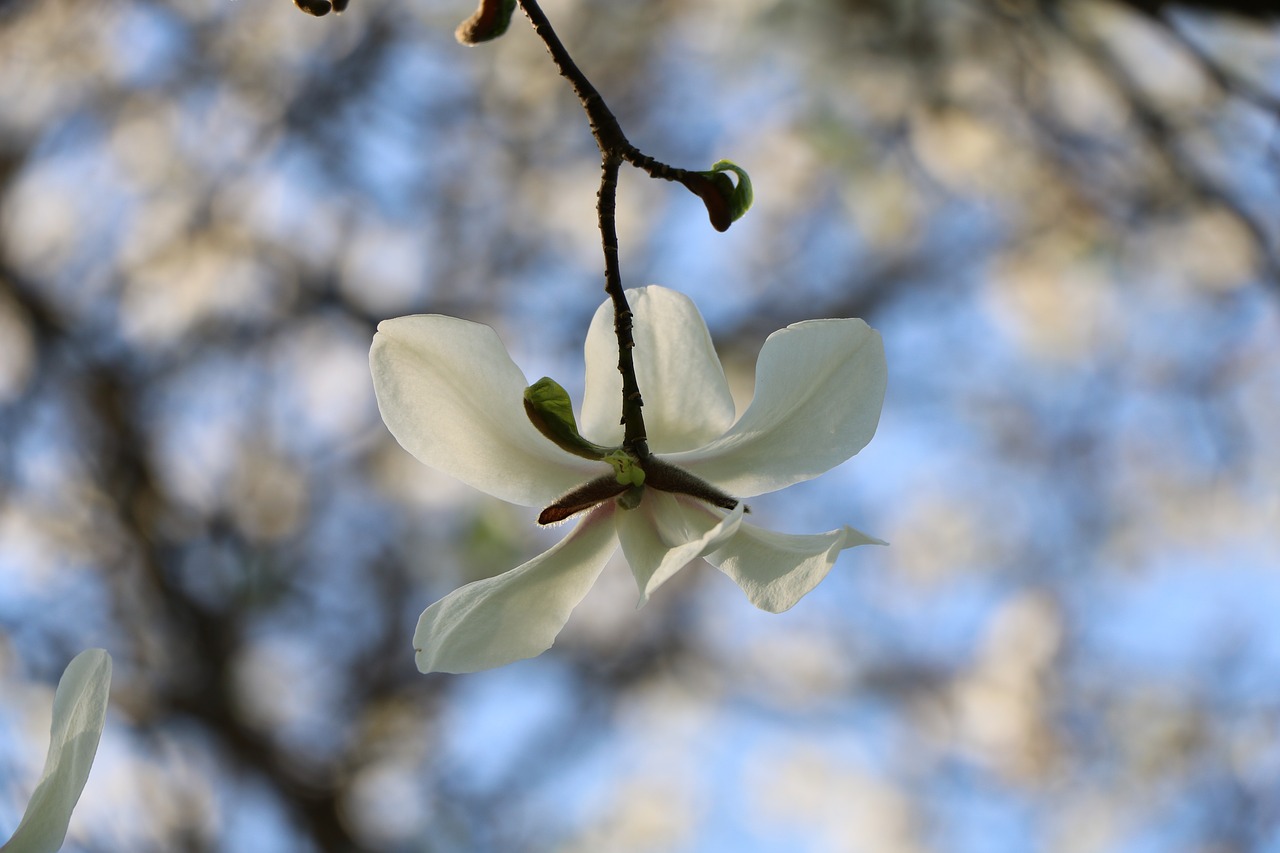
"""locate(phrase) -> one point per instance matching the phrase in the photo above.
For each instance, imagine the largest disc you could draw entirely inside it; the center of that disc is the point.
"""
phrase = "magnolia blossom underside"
(452, 397)
(79, 713)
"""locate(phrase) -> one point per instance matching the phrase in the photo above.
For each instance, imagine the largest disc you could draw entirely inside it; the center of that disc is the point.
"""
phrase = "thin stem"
(614, 149)
(653, 168)
(634, 438)
(604, 125)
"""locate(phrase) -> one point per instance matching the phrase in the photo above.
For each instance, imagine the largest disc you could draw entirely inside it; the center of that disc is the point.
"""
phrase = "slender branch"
(604, 125)
(634, 438)
(655, 168)
(614, 150)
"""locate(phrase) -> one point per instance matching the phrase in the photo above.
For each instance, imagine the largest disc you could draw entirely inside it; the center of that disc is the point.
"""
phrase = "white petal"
(79, 712)
(666, 533)
(453, 398)
(518, 614)
(819, 388)
(686, 398)
(776, 570)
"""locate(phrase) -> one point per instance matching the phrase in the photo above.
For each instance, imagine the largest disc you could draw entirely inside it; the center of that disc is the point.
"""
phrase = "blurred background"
(1064, 217)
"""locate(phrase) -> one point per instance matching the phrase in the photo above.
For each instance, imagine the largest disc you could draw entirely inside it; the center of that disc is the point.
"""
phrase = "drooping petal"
(819, 388)
(453, 398)
(518, 614)
(666, 533)
(776, 570)
(79, 712)
(686, 398)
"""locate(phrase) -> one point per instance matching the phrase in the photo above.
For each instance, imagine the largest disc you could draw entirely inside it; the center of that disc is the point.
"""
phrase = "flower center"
(626, 468)
(550, 411)
(627, 485)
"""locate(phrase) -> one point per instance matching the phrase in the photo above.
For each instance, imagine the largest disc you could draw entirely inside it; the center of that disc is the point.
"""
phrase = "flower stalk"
(725, 203)
(614, 148)
(634, 437)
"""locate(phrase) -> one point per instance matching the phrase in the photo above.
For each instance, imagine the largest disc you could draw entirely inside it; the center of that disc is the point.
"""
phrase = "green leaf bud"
(551, 412)
(726, 201)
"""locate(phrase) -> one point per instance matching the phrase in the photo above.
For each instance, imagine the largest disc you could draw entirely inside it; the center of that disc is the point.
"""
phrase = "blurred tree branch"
(356, 171)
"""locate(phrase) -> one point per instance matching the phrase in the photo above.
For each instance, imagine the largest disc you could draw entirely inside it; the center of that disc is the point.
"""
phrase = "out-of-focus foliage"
(1064, 218)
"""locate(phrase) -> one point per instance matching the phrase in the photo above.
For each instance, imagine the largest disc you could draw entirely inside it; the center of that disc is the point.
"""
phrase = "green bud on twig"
(726, 202)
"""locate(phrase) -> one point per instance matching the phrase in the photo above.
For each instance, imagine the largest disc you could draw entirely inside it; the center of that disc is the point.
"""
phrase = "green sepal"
(551, 412)
(726, 201)
(490, 20)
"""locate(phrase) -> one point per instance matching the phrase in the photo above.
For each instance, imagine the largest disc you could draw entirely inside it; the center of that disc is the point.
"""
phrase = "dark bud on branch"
(713, 196)
(490, 20)
(319, 8)
(726, 201)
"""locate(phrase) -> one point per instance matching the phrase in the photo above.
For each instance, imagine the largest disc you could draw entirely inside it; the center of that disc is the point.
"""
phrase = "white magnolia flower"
(452, 397)
(79, 712)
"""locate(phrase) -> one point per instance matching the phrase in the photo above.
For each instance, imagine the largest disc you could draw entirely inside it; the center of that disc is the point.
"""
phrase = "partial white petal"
(819, 388)
(518, 614)
(453, 398)
(776, 570)
(79, 712)
(666, 533)
(686, 398)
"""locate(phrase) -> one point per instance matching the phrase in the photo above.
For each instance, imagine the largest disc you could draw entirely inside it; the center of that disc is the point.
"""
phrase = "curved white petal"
(819, 388)
(686, 398)
(453, 398)
(776, 570)
(79, 712)
(518, 614)
(666, 533)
